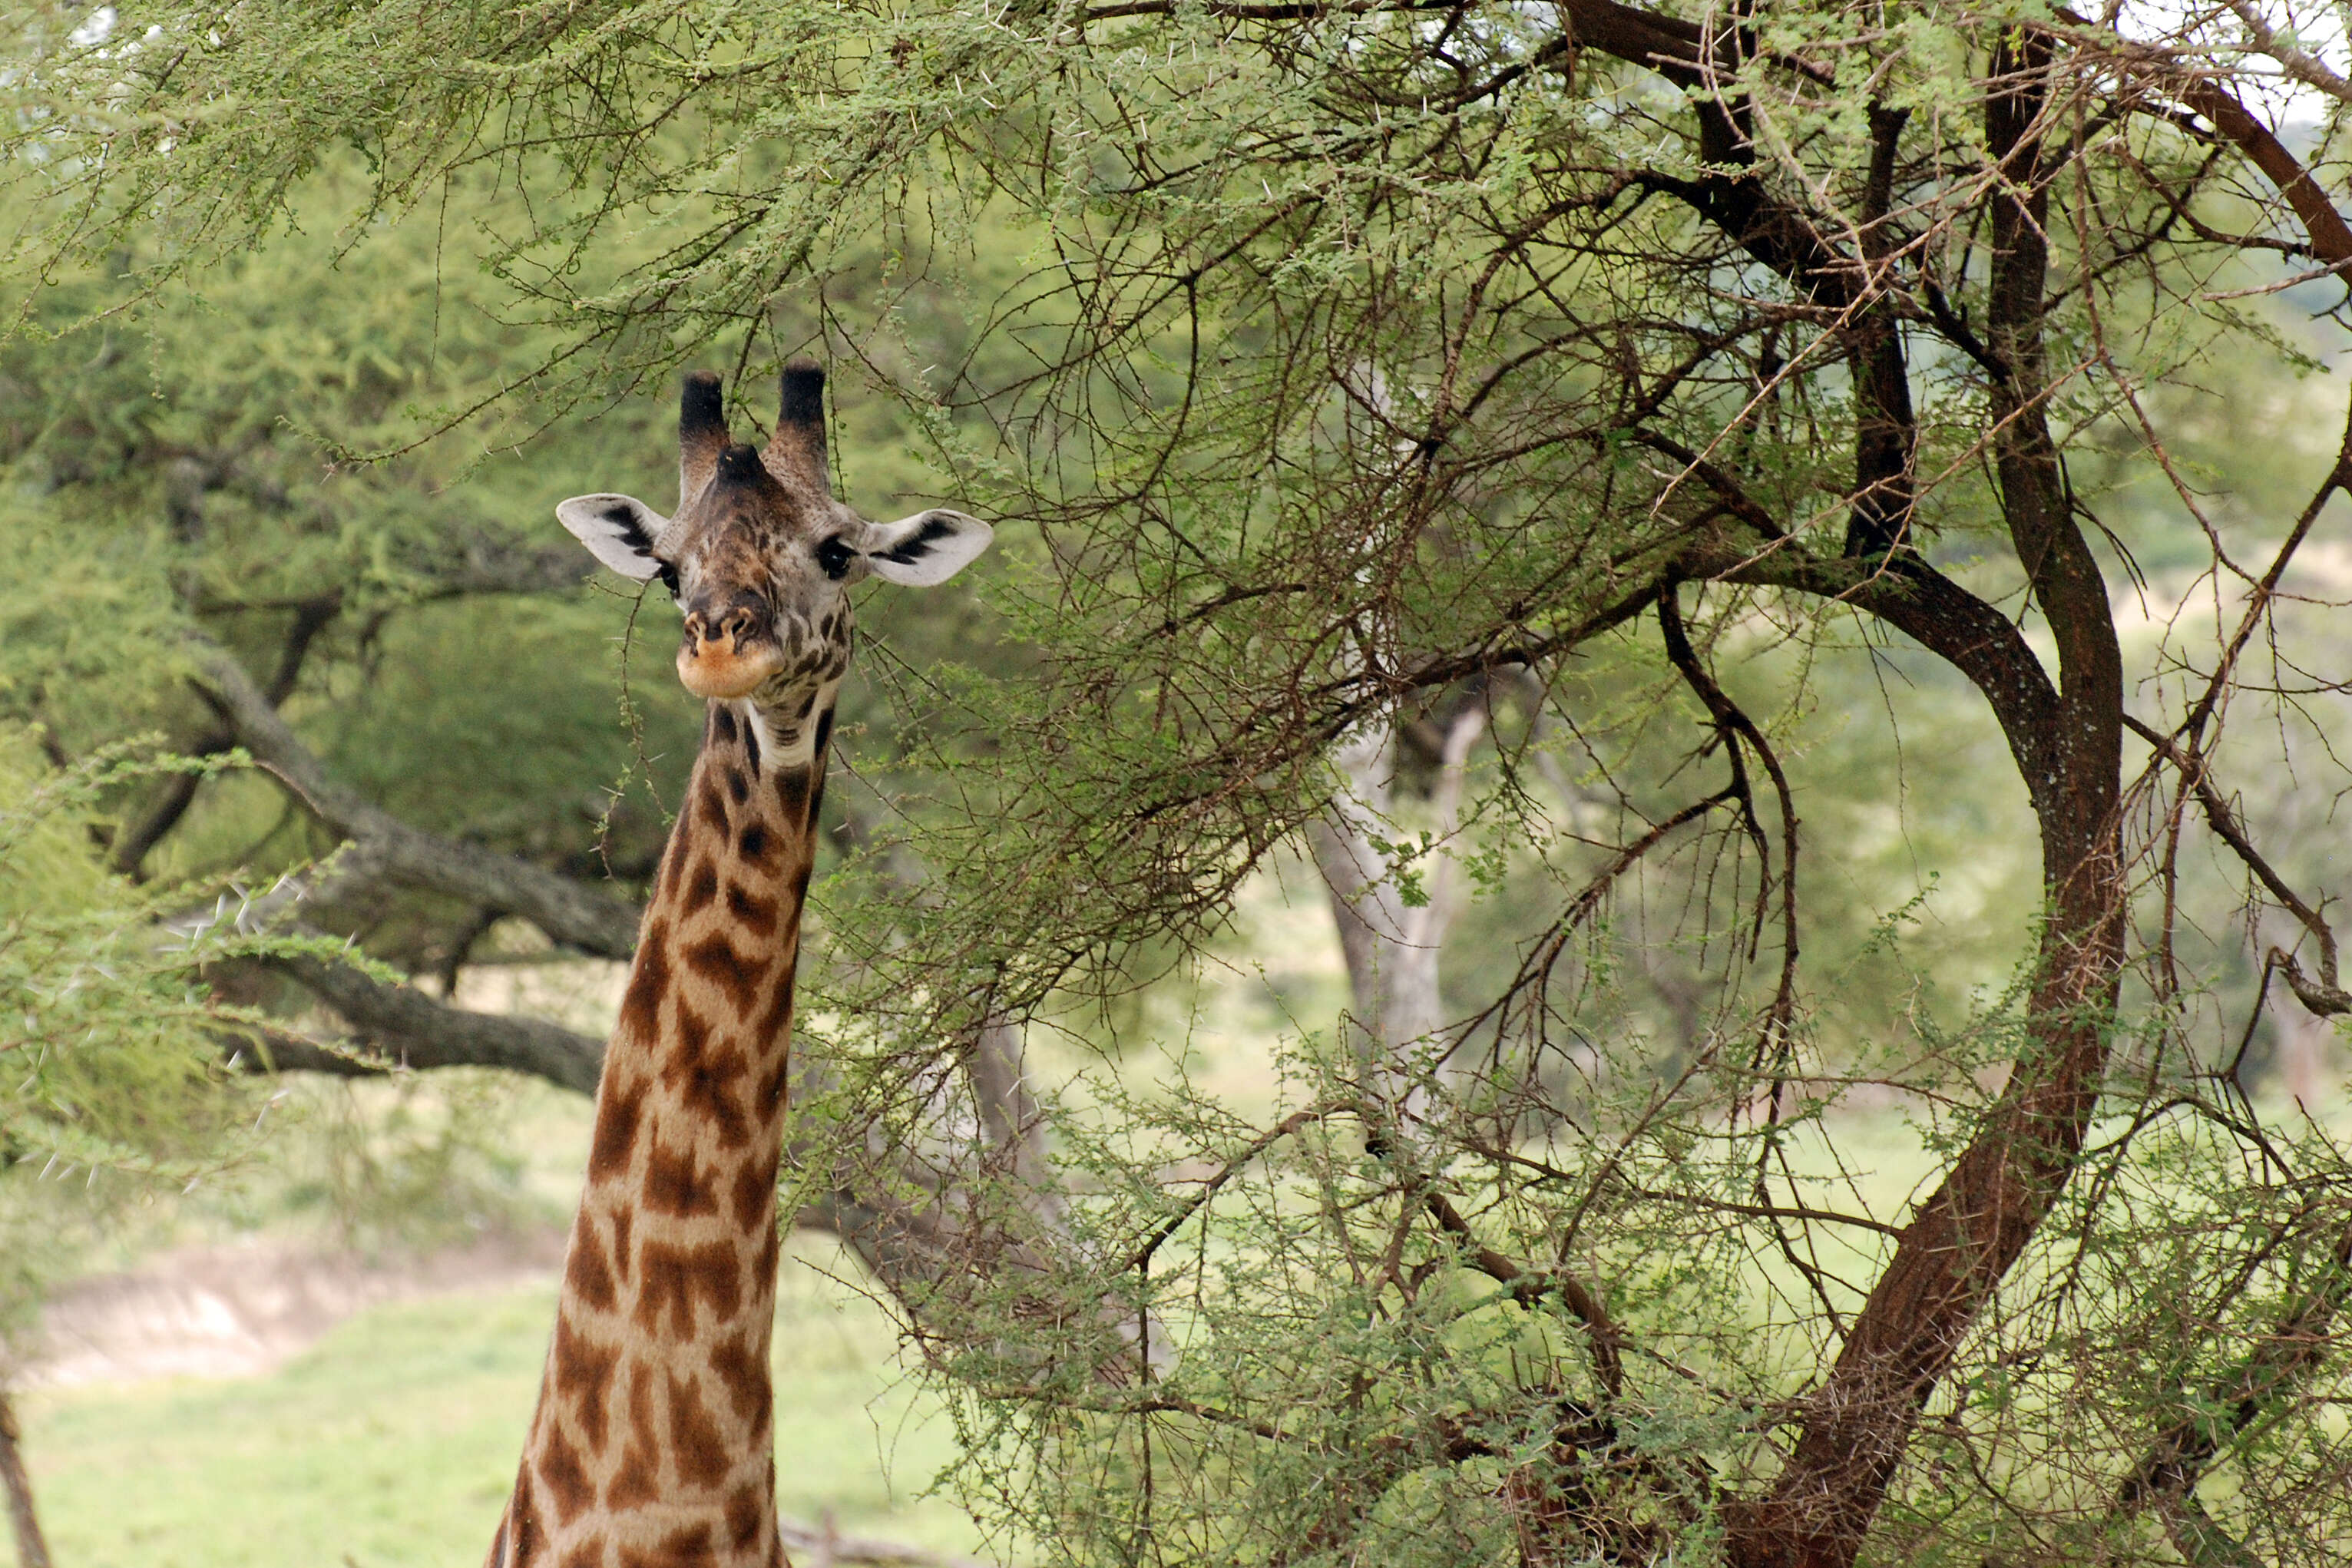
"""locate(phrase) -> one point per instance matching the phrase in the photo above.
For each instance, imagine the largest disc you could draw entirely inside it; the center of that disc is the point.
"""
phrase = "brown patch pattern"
(754, 913)
(690, 1547)
(648, 981)
(701, 888)
(719, 961)
(637, 1482)
(763, 1267)
(793, 795)
(744, 1515)
(754, 1186)
(619, 1113)
(779, 1014)
(704, 1079)
(741, 1369)
(697, 1446)
(586, 1275)
(564, 1476)
(675, 1184)
(582, 1369)
(678, 1277)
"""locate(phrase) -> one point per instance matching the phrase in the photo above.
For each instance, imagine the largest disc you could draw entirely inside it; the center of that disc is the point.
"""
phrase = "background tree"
(1606, 370)
(406, 648)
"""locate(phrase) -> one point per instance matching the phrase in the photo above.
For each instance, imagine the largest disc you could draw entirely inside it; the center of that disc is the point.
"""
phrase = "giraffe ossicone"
(653, 1444)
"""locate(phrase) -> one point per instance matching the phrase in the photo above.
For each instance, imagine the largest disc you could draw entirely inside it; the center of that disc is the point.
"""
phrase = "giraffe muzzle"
(726, 659)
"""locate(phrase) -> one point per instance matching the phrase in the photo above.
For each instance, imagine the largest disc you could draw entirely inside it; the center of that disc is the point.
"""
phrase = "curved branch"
(568, 911)
(2324, 997)
(1608, 1363)
(1937, 613)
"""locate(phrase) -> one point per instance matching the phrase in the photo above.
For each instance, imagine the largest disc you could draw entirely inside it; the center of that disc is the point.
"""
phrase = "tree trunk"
(1965, 1238)
(1391, 947)
(32, 1551)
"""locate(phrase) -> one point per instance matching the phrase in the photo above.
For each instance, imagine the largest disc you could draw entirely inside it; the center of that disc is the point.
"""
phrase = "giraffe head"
(760, 556)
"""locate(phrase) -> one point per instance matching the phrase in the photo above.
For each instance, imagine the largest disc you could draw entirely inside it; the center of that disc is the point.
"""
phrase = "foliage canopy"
(1636, 378)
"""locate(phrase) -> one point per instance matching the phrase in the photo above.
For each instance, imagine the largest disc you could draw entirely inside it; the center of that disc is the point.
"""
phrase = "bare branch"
(568, 911)
(406, 1028)
(1608, 1363)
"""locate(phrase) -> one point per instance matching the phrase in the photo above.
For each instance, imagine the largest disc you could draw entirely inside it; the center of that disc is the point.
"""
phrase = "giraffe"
(652, 1445)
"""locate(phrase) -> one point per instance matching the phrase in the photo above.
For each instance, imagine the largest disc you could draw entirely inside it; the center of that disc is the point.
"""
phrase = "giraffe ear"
(618, 531)
(926, 549)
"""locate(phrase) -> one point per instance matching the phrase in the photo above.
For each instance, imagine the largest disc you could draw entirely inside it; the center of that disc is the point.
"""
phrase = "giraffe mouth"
(728, 665)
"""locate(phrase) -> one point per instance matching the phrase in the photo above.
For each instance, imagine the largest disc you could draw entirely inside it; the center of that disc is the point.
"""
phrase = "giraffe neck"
(652, 1444)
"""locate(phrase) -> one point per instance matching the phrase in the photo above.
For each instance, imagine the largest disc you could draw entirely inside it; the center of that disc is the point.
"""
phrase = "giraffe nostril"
(730, 631)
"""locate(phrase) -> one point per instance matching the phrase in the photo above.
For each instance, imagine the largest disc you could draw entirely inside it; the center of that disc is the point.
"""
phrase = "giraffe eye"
(834, 557)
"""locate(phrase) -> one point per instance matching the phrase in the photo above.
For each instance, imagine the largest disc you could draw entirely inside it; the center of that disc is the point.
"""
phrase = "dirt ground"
(236, 1310)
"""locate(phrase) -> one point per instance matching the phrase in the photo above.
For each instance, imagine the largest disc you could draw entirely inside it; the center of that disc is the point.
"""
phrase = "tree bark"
(32, 1549)
(1392, 948)
(406, 1028)
(1965, 1238)
(569, 912)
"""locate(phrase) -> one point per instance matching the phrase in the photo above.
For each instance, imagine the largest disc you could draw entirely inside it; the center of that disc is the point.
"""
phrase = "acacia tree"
(1390, 354)
(404, 649)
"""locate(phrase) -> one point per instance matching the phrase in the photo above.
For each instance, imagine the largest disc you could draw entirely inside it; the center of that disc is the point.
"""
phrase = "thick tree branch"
(1963, 1240)
(406, 1027)
(1933, 610)
(2331, 238)
(1886, 429)
(568, 911)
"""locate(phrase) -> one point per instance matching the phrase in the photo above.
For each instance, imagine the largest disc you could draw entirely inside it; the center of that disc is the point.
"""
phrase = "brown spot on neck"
(754, 913)
(679, 1279)
(713, 805)
(638, 1480)
(688, 1547)
(700, 889)
(675, 1184)
(620, 1110)
(583, 1368)
(734, 971)
(697, 1445)
(564, 1475)
(741, 1369)
(586, 1275)
(793, 796)
(648, 978)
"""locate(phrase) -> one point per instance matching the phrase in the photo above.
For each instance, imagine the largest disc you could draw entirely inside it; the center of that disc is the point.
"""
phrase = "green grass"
(392, 1441)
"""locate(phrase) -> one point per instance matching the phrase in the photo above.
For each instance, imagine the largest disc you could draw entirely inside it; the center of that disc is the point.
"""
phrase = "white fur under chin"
(802, 749)
(749, 712)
